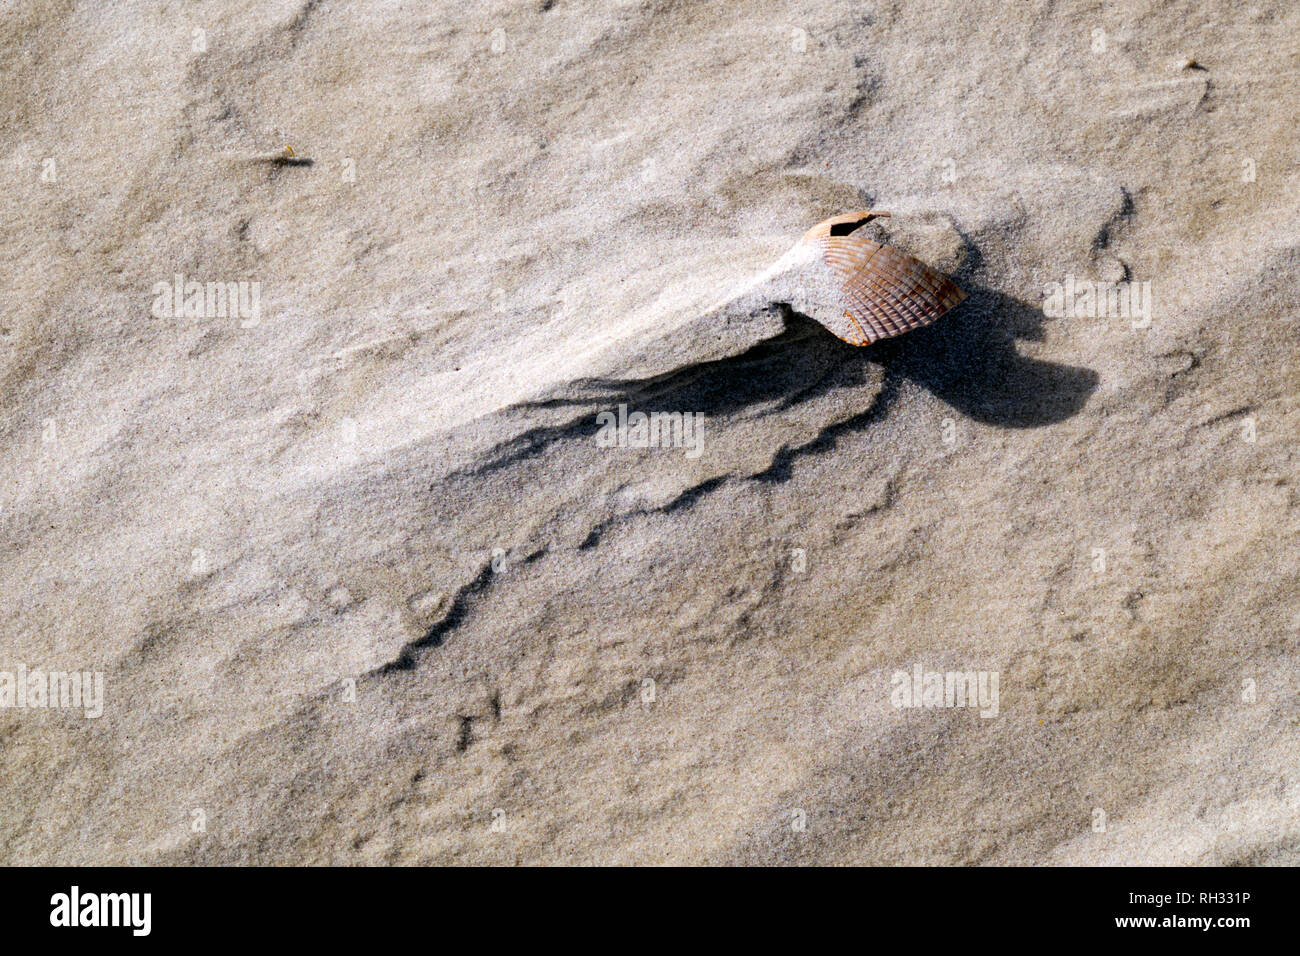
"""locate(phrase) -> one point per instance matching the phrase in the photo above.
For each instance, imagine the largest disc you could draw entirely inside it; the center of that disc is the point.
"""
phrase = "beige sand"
(274, 534)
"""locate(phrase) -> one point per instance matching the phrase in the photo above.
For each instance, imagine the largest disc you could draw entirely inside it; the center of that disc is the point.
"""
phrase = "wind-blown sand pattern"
(363, 585)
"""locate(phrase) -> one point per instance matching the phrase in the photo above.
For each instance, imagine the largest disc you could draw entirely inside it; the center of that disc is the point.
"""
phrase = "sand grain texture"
(516, 215)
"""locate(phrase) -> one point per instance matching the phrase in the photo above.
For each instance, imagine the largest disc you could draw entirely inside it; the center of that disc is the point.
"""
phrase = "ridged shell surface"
(877, 292)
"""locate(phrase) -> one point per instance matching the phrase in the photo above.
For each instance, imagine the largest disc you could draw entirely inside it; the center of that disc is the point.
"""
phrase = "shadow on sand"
(968, 359)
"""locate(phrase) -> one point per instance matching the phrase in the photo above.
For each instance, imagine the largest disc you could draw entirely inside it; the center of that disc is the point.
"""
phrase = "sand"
(362, 584)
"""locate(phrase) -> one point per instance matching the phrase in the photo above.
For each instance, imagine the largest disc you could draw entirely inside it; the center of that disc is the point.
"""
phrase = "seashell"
(863, 291)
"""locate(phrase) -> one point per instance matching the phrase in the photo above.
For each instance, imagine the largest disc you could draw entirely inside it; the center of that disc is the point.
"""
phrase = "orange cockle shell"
(862, 290)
